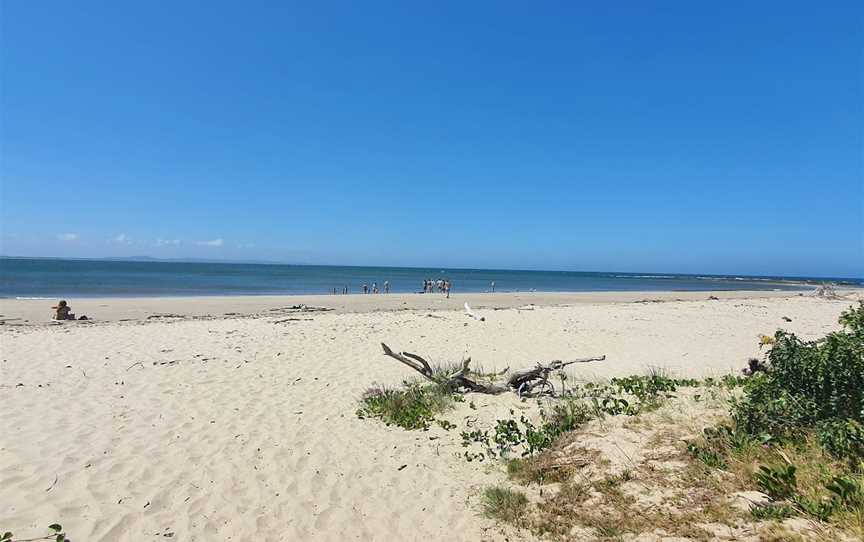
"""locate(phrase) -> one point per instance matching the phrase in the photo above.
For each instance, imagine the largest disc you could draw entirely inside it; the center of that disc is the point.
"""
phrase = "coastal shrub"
(810, 385)
(778, 482)
(798, 431)
(412, 407)
(843, 439)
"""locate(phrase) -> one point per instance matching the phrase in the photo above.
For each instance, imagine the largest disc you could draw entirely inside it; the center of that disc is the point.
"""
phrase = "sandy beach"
(233, 418)
(112, 309)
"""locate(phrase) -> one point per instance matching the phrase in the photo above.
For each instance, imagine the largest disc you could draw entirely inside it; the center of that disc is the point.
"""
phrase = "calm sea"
(24, 277)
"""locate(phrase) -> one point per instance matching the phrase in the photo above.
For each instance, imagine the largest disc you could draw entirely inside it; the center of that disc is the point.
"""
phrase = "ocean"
(50, 278)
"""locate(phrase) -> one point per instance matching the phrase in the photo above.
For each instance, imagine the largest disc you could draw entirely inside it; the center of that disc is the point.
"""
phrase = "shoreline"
(804, 288)
(112, 309)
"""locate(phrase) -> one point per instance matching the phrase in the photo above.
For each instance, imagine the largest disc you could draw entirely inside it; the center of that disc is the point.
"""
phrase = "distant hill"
(148, 259)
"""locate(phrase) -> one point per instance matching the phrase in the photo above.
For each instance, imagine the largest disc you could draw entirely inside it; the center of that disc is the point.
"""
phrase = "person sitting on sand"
(62, 311)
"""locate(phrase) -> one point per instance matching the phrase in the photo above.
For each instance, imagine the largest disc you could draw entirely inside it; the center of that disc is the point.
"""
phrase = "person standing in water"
(493, 286)
(386, 286)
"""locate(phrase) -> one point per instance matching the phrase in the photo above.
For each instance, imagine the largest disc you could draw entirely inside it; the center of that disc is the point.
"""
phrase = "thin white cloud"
(122, 238)
(213, 243)
(67, 236)
(167, 242)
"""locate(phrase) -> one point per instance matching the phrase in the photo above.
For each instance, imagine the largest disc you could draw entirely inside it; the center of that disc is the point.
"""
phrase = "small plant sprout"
(56, 535)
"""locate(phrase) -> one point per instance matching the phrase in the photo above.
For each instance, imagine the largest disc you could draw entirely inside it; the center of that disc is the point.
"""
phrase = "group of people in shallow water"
(374, 289)
(429, 286)
(366, 288)
(441, 285)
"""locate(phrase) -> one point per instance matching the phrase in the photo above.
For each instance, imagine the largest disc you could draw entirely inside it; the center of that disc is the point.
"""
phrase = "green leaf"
(56, 527)
(60, 538)
(7, 535)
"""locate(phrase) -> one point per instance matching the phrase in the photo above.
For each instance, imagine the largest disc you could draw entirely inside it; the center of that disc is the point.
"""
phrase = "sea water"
(41, 277)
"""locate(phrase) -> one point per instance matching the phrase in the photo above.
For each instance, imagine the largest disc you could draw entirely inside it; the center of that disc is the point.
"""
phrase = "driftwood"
(456, 381)
(826, 291)
(523, 382)
(471, 313)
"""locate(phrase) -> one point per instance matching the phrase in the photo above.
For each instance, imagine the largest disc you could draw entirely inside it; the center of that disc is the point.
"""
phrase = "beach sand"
(204, 426)
(112, 309)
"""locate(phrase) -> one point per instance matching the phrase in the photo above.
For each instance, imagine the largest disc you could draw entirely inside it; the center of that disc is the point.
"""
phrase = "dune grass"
(504, 504)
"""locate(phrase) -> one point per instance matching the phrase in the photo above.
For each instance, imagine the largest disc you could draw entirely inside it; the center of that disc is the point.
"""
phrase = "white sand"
(29, 311)
(239, 428)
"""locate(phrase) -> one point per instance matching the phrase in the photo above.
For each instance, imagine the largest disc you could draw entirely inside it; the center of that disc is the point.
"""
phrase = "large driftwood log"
(519, 381)
(826, 291)
(456, 381)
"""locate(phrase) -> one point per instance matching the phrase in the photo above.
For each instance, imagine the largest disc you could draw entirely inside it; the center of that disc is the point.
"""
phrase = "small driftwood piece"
(520, 381)
(471, 313)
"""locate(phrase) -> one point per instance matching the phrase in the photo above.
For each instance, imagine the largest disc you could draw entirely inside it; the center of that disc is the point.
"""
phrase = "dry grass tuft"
(504, 504)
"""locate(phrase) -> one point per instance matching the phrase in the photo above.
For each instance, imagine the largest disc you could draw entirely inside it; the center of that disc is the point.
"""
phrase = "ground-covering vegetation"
(413, 406)
(796, 433)
(416, 404)
(793, 432)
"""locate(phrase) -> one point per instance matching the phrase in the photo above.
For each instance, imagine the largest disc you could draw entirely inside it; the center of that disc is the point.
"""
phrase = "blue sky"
(634, 136)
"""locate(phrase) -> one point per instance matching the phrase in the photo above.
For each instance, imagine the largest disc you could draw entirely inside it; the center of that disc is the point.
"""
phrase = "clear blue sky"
(640, 136)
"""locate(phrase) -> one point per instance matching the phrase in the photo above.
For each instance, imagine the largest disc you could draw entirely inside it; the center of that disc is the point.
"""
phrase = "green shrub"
(778, 482)
(843, 439)
(809, 385)
(809, 401)
(847, 492)
(853, 320)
